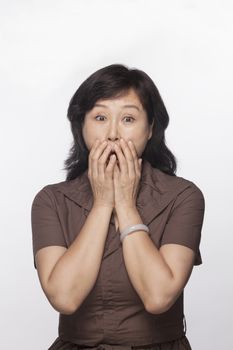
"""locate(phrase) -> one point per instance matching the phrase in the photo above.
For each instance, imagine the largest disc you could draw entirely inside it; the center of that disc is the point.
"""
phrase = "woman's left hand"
(126, 174)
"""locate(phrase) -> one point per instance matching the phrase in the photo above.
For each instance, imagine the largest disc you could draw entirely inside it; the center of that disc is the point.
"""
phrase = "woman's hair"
(114, 81)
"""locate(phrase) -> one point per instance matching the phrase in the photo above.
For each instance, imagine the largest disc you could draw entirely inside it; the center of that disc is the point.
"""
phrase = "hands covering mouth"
(112, 152)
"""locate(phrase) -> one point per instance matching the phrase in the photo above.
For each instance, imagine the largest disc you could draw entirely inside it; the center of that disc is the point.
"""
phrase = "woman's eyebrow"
(125, 106)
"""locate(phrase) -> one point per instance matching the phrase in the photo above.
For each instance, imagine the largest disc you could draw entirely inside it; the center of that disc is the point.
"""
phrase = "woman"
(115, 243)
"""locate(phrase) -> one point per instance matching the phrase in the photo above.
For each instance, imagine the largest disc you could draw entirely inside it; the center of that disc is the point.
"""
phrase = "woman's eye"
(129, 118)
(102, 116)
(99, 116)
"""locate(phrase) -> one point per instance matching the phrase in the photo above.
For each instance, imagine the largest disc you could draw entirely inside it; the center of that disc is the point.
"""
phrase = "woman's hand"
(127, 176)
(100, 173)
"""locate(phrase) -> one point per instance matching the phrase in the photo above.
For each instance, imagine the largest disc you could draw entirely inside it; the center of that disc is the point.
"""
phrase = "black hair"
(113, 81)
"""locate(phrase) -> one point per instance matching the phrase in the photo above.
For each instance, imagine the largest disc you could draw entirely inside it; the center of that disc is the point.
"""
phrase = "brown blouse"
(113, 315)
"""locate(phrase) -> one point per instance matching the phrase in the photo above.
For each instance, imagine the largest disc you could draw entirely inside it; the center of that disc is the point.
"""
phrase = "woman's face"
(116, 118)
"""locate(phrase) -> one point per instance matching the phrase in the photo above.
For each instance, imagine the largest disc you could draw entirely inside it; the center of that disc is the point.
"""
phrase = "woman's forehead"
(128, 100)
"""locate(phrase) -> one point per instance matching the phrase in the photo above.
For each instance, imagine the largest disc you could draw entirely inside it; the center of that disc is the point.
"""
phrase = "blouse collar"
(156, 190)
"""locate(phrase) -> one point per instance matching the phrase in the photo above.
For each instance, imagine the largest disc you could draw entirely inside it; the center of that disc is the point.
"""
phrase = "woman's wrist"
(127, 216)
(125, 206)
(98, 204)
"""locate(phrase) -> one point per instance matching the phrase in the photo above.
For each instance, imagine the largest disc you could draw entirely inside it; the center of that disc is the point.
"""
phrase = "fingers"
(110, 167)
(137, 164)
(98, 157)
(102, 162)
(128, 158)
(125, 153)
(94, 155)
(122, 161)
(92, 151)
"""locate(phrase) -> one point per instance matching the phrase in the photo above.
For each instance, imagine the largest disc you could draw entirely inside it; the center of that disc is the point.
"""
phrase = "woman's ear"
(151, 130)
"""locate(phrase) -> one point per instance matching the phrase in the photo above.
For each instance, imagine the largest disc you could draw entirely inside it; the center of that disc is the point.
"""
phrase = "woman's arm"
(75, 273)
(158, 275)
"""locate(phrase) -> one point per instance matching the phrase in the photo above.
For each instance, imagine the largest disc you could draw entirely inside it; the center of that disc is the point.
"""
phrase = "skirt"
(177, 344)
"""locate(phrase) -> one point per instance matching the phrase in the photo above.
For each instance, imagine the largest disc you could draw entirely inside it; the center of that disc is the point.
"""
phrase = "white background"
(47, 49)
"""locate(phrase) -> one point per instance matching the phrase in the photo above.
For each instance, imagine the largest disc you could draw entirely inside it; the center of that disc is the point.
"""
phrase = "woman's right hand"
(100, 173)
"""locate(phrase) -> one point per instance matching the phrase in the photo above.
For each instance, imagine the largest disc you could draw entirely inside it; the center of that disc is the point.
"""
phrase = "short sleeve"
(184, 225)
(45, 224)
